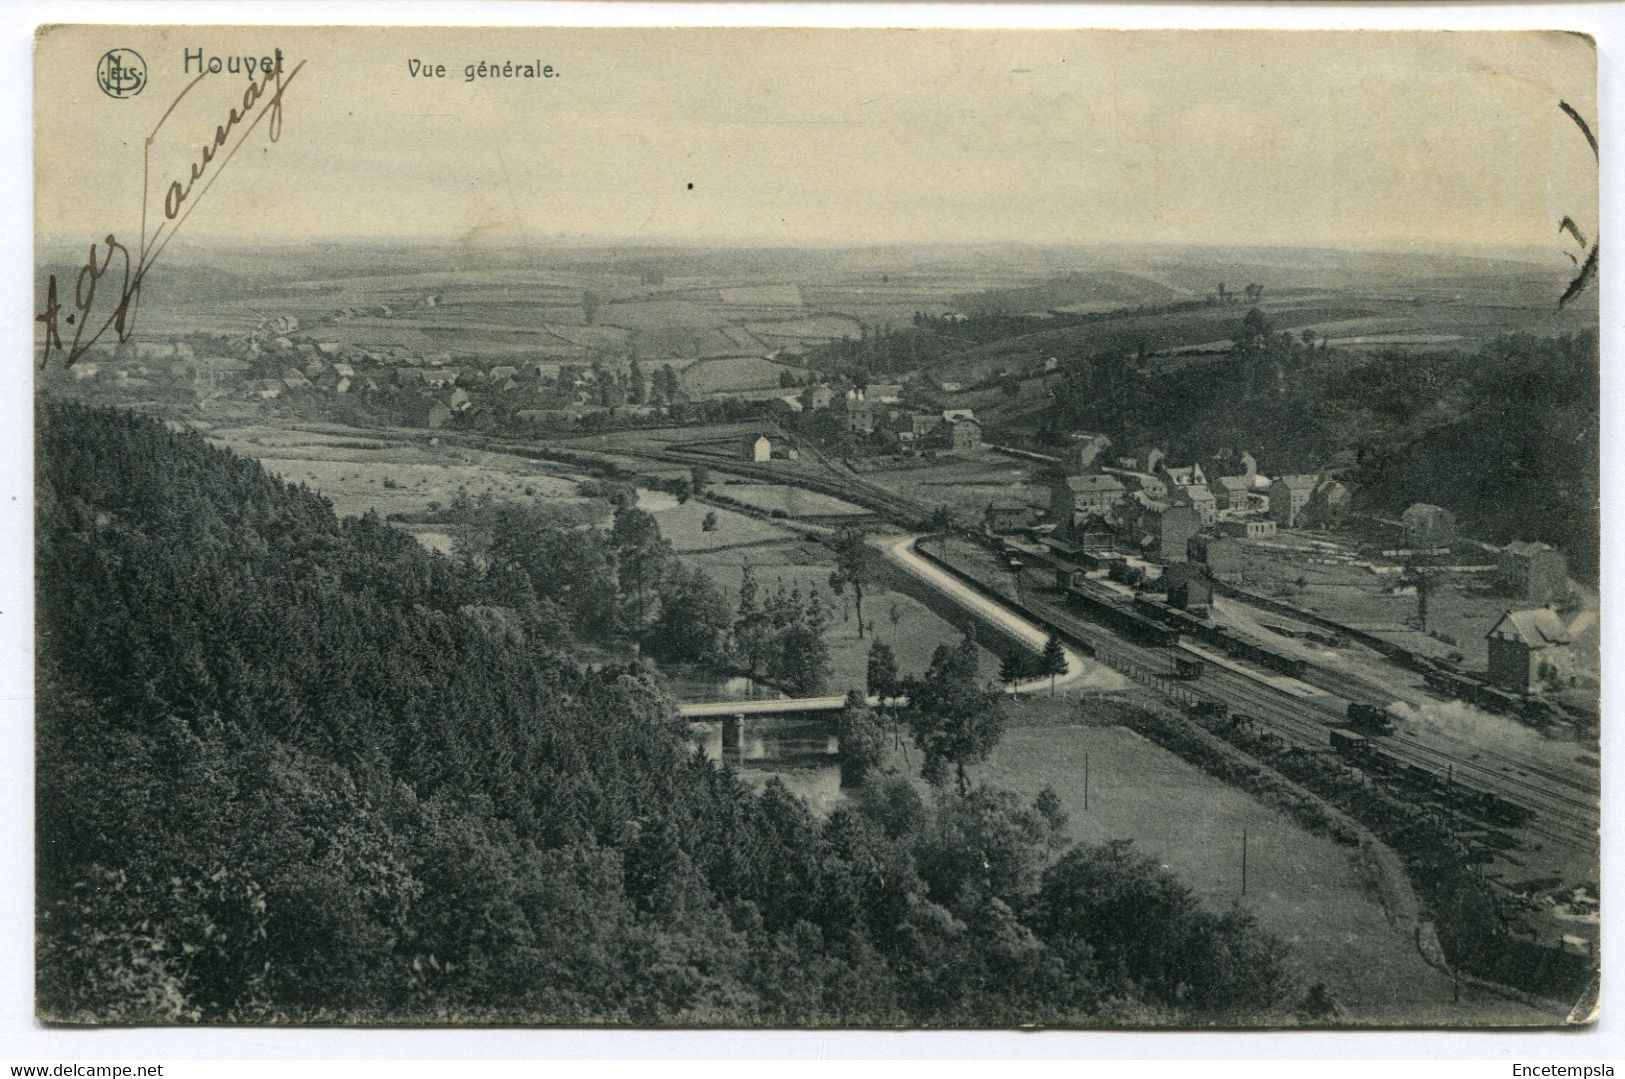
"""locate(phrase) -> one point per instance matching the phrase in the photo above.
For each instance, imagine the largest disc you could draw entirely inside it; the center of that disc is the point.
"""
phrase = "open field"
(709, 376)
(1306, 889)
(792, 501)
(683, 525)
(394, 471)
(966, 484)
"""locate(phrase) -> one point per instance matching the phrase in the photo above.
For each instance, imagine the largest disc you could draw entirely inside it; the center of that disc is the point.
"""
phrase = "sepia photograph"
(790, 528)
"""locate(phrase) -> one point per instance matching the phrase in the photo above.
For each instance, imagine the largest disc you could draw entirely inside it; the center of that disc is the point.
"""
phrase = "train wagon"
(1351, 744)
(1264, 657)
(1498, 809)
(1117, 613)
(1188, 667)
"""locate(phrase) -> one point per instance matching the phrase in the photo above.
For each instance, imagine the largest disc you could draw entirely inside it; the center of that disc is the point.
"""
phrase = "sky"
(831, 137)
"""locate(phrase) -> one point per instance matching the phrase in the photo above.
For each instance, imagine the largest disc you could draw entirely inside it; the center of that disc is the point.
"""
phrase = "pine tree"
(882, 679)
(1052, 661)
(1013, 668)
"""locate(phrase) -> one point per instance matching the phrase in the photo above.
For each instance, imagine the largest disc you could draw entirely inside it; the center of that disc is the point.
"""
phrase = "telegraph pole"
(1086, 782)
(1244, 861)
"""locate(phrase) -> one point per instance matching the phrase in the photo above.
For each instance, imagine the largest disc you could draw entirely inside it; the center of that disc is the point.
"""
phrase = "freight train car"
(1188, 667)
(1352, 745)
(1242, 648)
(1116, 612)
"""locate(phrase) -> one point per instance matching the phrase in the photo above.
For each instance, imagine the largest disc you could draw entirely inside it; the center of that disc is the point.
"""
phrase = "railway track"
(1355, 690)
(1559, 817)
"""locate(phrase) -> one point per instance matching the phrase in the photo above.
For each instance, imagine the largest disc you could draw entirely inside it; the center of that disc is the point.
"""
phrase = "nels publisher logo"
(121, 73)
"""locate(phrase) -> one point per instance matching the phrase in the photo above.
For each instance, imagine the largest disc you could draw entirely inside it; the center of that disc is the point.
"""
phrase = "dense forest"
(295, 768)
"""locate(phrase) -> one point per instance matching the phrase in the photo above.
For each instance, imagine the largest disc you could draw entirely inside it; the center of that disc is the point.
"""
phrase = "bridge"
(771, 706)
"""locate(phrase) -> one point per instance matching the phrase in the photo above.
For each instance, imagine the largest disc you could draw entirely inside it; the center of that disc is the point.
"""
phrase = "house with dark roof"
(1006, 515)
(1186, 586)
(1529, 650)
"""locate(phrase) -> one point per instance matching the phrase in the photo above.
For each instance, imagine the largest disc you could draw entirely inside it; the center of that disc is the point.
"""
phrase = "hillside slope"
(298, 769)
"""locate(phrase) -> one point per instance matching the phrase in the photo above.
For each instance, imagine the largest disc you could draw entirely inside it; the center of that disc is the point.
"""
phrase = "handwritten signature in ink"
(262, 100)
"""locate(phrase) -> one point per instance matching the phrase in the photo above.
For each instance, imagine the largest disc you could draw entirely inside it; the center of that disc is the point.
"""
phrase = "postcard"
(774, 528)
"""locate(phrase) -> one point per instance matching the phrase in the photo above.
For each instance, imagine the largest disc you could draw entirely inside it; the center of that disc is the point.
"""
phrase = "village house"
(1240, 494)
(959, 434)
(1534, 572)
(1162, 532)
(1288, 496)
(1004, 515)
(1245, 491)
(1427, 525)
(859, 413)
(1198, 498)
(756, 447)
(1529, 650)
(1186, 586)
(1093, 534)
(1135, 480)
(919, 424)
(884, 393)
(1074, 497)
